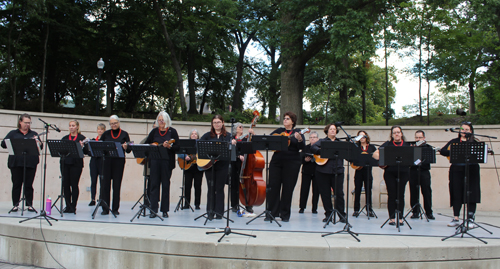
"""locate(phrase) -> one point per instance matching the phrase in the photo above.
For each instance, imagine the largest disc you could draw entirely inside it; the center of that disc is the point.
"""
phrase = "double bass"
(252, 185)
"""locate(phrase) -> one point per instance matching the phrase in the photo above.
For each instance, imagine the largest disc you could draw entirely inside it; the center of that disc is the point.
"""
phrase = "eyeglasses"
(466, 122)
(29, 122)
(217, 122)
(161, 121)
(287, 119)
(113, 123)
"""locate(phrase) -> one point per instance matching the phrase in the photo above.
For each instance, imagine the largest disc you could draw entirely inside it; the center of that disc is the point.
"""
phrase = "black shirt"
(394, 168)
(119, 135)
(293, 148)
(18, 161)
(74, 161)
(159, 137)
(308, 167)
(206, 137)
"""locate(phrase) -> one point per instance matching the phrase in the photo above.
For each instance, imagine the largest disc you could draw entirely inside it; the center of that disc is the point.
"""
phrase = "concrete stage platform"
(78, 241)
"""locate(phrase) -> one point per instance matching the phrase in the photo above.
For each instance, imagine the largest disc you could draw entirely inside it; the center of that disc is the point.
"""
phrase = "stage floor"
(305, 222)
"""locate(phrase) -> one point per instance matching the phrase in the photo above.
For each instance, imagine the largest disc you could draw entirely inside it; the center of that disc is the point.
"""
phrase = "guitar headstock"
(305, 131)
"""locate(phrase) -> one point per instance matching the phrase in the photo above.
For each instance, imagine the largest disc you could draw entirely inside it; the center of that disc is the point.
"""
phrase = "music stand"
(104, 149)
(267, 143)
(366, 160)
(399, 156)
(215, 151)
(22, 147)
(64, 149)
(467, 152)
(336, 150)
(187, 147)
(147, 152)
(428, 157)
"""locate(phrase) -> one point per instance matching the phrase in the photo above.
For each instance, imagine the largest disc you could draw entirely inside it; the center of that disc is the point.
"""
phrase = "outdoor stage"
(78, 241)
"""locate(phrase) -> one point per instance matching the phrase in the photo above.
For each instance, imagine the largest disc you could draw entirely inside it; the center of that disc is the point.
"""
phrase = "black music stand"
(366, 160)
(147, 152)
(22, 147)
(340, 150)
(399, 156)
(187, 147)
(428, 156)
(215, 151)
(104, 149)
(467, 152)
(64, 149)
(227, 230)
(267, 143)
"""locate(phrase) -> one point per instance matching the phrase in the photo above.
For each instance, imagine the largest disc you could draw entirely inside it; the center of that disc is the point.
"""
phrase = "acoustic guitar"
(186, 165)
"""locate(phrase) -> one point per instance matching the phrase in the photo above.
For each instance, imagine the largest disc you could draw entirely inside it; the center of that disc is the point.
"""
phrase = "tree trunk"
(110, 92)
(292, 86)
(191, 82)
(42, 89)
(173, 57)
(242, 46)
(472, 100)
(273, 84)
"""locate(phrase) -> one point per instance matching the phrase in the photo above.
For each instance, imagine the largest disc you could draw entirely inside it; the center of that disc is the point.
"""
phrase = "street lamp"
(100, 66)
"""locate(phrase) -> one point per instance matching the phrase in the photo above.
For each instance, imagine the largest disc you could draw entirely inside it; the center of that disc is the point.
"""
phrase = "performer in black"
(95, 166)
(161, 170)
(363, 176)
(193, 176)
(217, 133)
(425, 182)
(113, 167)
(330, 176)
(456, 177)
(16, 163)
(284, 169)
(72, 169)
(308, 176)
(397, 139)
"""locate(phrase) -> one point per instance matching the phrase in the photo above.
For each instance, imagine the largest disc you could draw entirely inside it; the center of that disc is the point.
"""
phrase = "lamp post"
(100, 66)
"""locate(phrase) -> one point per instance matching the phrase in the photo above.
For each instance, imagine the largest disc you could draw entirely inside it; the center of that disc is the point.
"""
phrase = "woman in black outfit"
(456, 177)
(16, 164)
(72, 169)
(161, 169)
(308, 176)
(113, 167)
(193, 176)
(220, 168)
(284, 169)
(330, 176)
(95, 166)
(364, 176)
(397, 139)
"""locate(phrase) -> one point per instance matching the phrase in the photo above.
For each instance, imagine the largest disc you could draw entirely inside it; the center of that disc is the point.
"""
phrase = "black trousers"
(17, 184)
(456, 188)
(235, 183)
(307, 181)
(425, 188)
(160, 174)
(390, 178)
(363, 177)
(193, 177)
(282, 180)
(113, 173)
(327, 182)
(95, 167)
(217, 191)
(71, 178)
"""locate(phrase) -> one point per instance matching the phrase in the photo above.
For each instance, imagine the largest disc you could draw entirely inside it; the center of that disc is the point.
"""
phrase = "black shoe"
(197, 207)
(152, 215)
(325, 219)
(67, 210)
(314, 211)
(285, 220)
(31, 209)
(217, 216)
(268, 218)
(402, 224)
(165, 214)
(371, 214)
(234, 209)
(116, 212)
(415, 216)
(14, 209)
(301, 210)
(92, 203)
(355, 214)
(392, 223)
(249, 209)
(185, 207)
(105, 213)
(342, 220)
(430, 216)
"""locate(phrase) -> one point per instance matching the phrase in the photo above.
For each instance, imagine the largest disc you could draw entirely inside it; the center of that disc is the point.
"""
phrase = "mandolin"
(142, 161)
(303, 131)
(186, 165)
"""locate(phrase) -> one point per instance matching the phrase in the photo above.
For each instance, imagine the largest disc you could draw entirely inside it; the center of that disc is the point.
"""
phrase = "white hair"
(114, 117)
(166, 118)
(236, 125)
(197, 134)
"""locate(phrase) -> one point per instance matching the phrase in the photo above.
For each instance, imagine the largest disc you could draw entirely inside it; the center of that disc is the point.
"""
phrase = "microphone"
(338, 123)
(450, 129)
(52, 126)
(359, 137)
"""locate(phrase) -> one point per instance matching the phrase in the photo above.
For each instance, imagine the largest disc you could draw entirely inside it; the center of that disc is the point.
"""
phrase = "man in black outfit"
(425, 183)
(308, 171)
